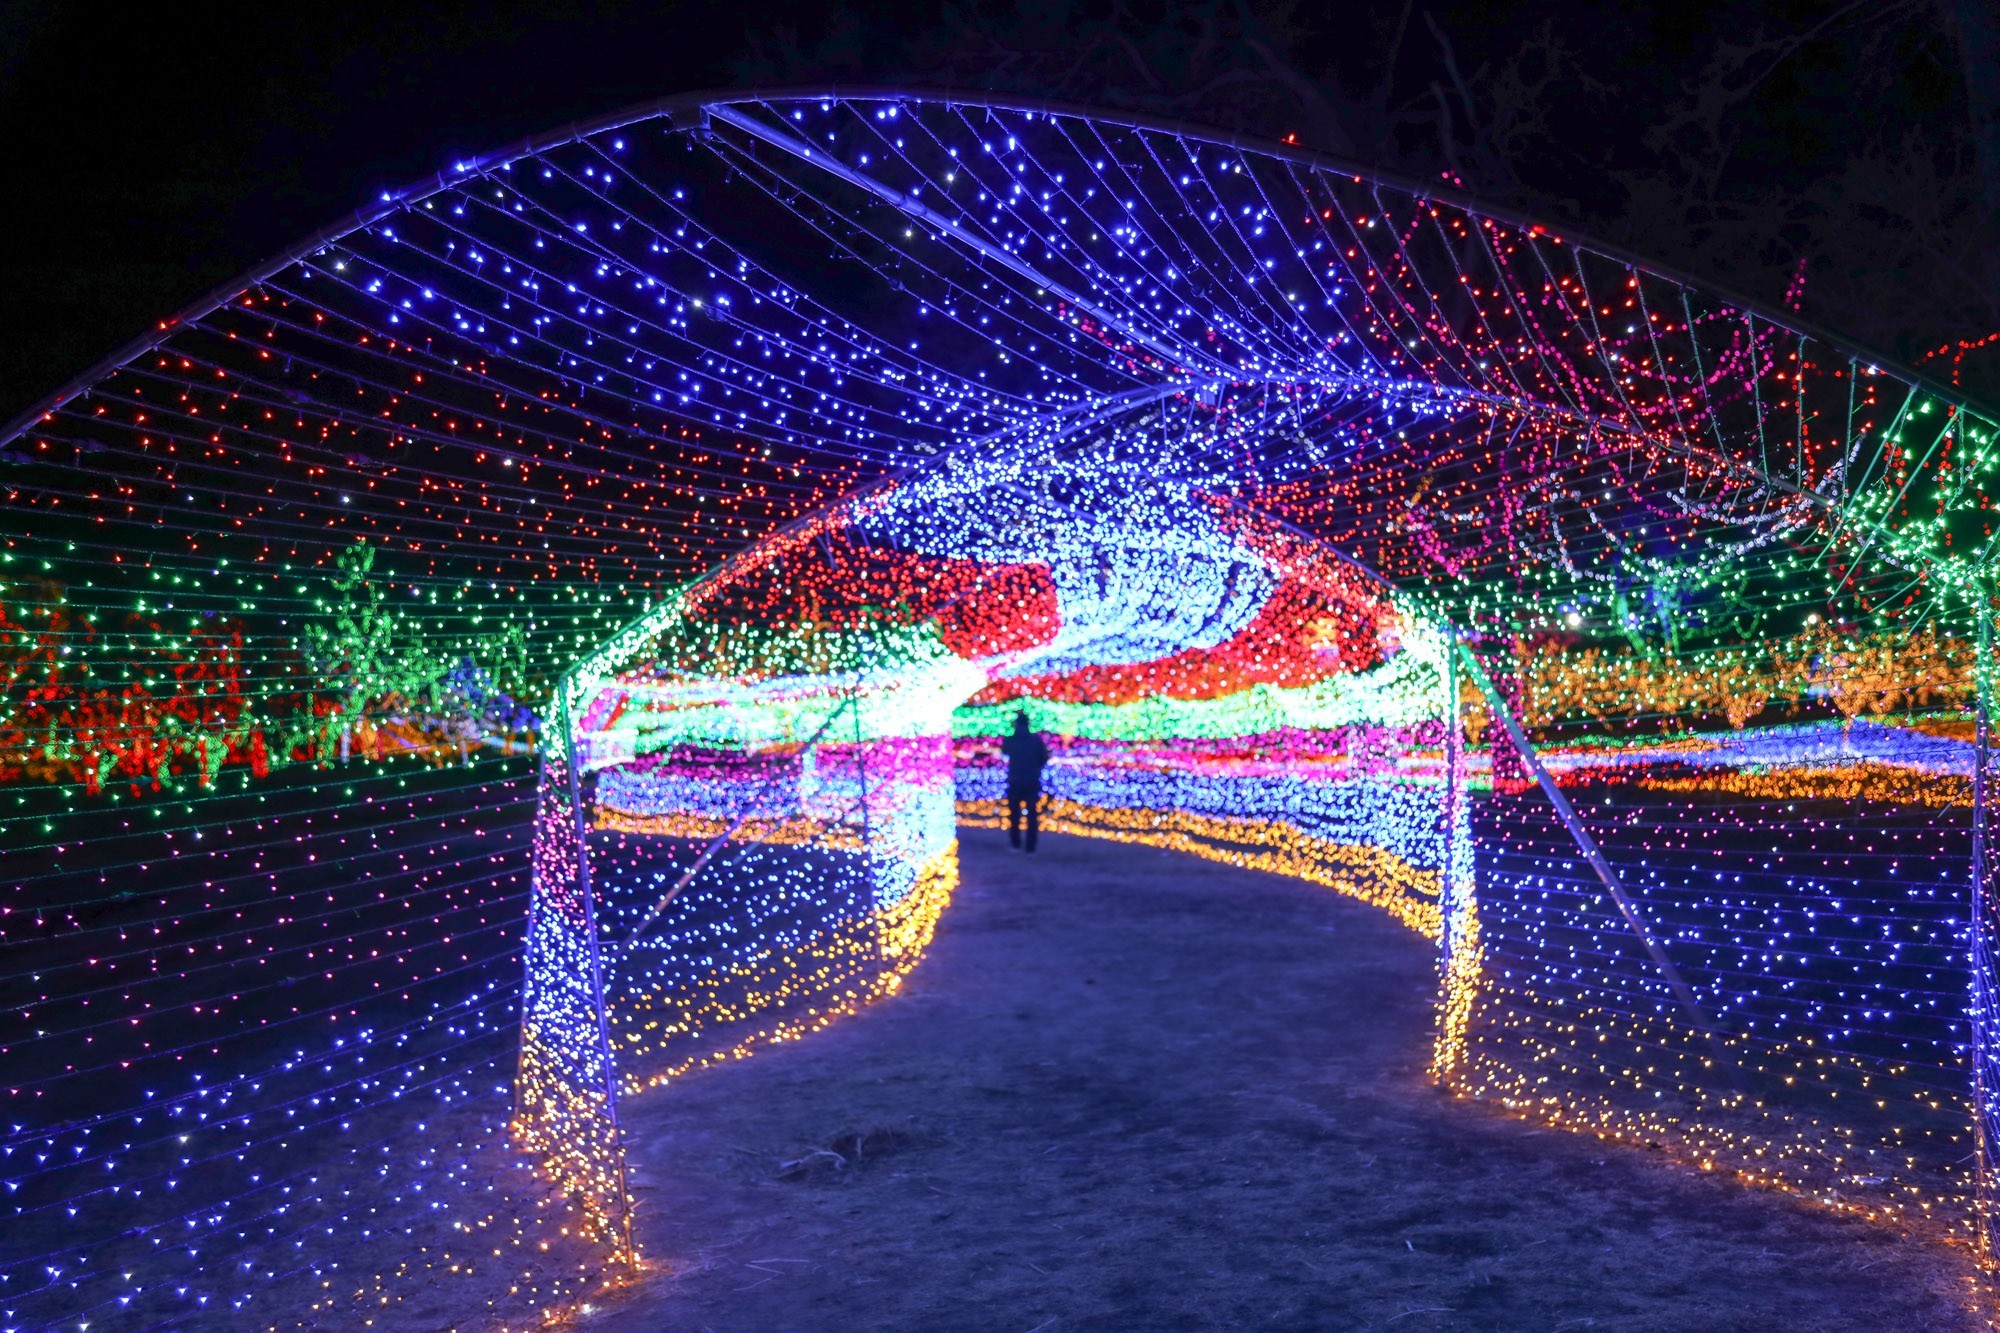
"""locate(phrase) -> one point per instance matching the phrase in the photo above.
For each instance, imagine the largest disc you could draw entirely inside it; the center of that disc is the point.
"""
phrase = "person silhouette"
(1027, 754)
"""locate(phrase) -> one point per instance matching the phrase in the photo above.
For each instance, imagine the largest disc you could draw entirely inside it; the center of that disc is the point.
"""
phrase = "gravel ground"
(1129, 1089)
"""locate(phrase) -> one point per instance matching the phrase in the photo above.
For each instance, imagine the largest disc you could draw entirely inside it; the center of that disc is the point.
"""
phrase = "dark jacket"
(1026, 755)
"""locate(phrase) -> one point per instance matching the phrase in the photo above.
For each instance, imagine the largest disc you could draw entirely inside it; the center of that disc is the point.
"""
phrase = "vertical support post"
(1979, 947)
(861, 776)
(861, 756)
(566, 1089)
(1460, 958)
(589, 908)
(1454, 786)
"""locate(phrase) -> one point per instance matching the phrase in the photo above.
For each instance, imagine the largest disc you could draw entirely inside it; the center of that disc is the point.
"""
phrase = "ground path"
(1129, 1089)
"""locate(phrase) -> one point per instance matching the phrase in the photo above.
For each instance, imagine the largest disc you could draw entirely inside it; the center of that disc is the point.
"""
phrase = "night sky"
(154, 152)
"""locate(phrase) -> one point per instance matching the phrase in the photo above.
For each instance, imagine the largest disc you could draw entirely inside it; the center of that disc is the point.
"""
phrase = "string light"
(539, 640)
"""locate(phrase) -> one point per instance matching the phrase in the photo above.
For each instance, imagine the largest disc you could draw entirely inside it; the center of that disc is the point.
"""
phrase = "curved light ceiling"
(619, 353)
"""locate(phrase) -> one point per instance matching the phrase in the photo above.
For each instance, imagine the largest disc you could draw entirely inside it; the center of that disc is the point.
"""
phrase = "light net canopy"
(825, 291)
(648, 533)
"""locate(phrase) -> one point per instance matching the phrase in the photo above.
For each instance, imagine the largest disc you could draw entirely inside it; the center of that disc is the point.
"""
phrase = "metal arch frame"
(697, 104)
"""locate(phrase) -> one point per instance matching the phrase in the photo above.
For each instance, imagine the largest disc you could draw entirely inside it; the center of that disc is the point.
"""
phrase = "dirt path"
(1133, 1090)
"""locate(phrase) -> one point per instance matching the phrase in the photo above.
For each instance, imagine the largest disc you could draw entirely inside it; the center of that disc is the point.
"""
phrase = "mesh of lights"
(534, 640)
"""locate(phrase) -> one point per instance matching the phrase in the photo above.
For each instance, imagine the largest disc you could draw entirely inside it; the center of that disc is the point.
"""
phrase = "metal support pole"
(1454, 783)
(589, 926)
(723, 838)
(687, 878)
(1979, 950)
(861, 777)
(861, 768)
(1458, 930)
(1591, 853)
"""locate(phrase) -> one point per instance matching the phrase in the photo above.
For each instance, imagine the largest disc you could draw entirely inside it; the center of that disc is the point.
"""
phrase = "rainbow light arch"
(745, 456)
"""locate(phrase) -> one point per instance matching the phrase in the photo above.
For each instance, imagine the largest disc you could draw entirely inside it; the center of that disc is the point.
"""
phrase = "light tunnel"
(540, 637)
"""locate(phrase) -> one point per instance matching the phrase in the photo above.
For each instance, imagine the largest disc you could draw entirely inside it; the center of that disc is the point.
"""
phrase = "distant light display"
(539, 638)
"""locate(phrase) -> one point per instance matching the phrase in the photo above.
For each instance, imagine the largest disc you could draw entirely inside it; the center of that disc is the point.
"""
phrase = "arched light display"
(536, 639)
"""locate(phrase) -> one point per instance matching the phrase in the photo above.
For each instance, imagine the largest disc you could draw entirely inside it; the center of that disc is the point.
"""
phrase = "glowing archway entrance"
(1236, 466)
